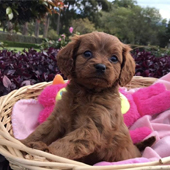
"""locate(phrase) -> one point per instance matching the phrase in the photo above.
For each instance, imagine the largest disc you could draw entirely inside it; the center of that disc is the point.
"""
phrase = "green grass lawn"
(14, 48)
(17, 49)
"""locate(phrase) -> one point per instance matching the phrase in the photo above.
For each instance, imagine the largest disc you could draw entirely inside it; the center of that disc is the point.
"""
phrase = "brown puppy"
(87, 124)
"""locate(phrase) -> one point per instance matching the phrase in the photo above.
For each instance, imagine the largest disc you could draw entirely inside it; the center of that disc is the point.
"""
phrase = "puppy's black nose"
(100, 68)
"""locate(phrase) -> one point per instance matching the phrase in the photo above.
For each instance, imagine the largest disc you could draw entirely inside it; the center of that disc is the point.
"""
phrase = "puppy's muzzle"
(100, 68)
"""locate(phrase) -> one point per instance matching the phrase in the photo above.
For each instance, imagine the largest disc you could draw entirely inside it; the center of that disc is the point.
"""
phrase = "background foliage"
(29, 67)
(132, 23)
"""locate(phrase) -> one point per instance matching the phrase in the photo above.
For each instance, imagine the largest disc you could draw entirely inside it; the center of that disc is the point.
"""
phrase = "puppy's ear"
(128, 66)
(65, 57)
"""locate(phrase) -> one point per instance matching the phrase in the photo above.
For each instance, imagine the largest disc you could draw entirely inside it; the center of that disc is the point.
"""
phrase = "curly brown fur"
(87, 124)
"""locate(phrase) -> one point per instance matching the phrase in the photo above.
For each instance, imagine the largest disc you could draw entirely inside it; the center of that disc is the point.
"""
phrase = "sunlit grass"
(17, 49)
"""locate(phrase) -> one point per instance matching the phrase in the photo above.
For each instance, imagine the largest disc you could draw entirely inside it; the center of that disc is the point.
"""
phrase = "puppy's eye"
(88, 54)
(114, 59)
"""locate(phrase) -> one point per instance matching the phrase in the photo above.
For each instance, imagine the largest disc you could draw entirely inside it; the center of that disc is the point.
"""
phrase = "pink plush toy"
(145, 101)
(47, 98)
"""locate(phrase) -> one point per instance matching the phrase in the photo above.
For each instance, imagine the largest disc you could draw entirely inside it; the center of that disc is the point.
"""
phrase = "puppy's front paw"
(38, 145)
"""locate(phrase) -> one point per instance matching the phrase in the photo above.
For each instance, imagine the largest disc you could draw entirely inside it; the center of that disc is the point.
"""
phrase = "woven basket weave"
(21, 157)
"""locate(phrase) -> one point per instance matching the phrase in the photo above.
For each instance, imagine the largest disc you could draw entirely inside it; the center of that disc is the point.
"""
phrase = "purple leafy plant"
(147, 65)
(26, 68)
(18, 69)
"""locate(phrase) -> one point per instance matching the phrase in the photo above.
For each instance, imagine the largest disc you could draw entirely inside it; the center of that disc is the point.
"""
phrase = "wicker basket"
(22, 157)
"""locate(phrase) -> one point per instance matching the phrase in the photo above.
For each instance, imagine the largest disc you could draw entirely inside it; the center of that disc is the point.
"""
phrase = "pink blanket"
(160, 125)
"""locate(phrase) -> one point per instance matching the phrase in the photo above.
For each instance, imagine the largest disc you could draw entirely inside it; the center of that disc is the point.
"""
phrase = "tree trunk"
(58, 24)
(9, 27)
(37, 25)
(46, 25)
(25, 29)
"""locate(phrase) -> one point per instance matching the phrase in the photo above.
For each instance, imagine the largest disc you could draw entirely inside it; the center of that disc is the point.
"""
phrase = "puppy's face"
(97, 60)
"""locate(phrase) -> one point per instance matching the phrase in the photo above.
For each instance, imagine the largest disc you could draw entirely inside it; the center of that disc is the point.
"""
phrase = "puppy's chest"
(109, 101)
(95, 107)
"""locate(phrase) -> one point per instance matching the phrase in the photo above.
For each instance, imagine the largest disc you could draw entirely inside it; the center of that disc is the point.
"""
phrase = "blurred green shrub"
(154, 50)
(83, 26)
(57, 44)
(52, 34)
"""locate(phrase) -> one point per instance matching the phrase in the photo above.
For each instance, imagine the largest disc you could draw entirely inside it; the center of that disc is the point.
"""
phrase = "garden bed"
(30, 66)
